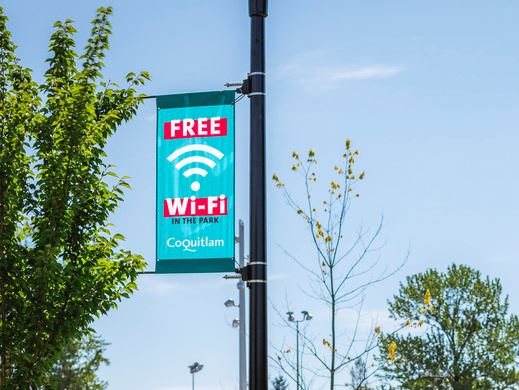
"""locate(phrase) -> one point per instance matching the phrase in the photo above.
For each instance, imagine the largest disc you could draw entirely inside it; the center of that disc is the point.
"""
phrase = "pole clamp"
(253, 85)
(245, 88)
(245, 273)
(256, 275)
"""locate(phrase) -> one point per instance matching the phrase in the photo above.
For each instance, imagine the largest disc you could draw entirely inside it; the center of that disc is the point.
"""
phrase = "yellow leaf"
(392, 351)
(427, 298)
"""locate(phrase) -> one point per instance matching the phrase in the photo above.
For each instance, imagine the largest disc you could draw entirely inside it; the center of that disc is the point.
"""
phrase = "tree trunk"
(332, 365)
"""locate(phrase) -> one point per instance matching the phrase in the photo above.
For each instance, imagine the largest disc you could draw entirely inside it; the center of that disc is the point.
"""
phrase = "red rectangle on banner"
(190, 207)
(191, 128)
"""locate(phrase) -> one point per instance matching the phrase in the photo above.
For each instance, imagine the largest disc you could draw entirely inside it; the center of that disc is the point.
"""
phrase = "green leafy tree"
(465, 339)
(60, 264)
(279, 383)
(77, 366)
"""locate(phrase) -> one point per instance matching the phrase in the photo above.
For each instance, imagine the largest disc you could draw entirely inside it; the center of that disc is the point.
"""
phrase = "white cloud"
(362, 72)
(319, 70)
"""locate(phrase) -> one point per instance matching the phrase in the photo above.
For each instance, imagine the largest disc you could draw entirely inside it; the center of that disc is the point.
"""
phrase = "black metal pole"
(258, 377)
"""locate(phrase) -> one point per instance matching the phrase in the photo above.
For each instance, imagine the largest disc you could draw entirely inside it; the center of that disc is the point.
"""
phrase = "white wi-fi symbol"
(195, 185)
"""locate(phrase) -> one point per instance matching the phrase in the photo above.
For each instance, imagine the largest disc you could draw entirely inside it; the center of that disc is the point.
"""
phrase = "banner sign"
(195, 182)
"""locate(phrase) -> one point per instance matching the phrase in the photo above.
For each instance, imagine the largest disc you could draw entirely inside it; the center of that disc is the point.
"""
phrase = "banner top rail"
(195, 99)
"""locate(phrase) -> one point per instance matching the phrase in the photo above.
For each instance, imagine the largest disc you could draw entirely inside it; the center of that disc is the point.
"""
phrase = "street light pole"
(240, 322)
(193, 369)
(241, 291)
(297, 355)
(258, 257)
(306, 317)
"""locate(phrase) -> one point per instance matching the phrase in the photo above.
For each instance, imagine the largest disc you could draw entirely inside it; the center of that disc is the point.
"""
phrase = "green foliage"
(279, 383)
(61, 266)
(77, 366)
(464, 340)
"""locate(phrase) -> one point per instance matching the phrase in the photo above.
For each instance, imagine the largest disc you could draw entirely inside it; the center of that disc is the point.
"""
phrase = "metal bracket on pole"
(232, 276)
(253, 85)
(229, 85)
(245, 87)
(245, 273)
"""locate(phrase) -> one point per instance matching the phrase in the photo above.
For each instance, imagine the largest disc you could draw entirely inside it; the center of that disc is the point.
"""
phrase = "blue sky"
(428, 91)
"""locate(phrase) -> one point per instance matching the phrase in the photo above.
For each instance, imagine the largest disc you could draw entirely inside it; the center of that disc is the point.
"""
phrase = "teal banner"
(195, 182)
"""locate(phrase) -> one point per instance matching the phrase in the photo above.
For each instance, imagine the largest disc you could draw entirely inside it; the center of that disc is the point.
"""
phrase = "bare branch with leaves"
(343, 266)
